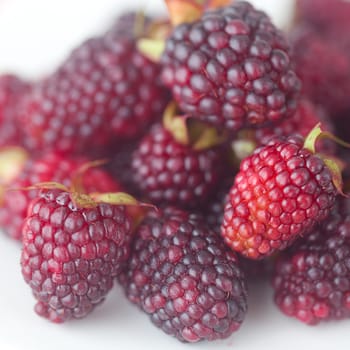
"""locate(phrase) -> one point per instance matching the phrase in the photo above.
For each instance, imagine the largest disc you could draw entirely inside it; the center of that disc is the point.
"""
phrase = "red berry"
(169, 172)
(183, 276)
(51, 167)
(281, 191)
(231, 68)
(12, 91)
(120, 167)
(301, 122)
(105, 90)
(324, 15)
(71, 255)
(326, 83)
(311, 279)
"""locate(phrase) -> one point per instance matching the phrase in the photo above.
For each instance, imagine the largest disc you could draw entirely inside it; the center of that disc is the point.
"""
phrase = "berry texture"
(281, 191)
(105, 90)
(12, 91)
(183, 276)
(311, 279)
(301, 122)
(71, 255)
(51, 167)
(231, 68)
(168, 172)
(324, 15)
(326, 83)
(213, 210)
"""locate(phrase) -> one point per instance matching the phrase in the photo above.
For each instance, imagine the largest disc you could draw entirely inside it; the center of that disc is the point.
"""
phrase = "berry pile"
(181, 156)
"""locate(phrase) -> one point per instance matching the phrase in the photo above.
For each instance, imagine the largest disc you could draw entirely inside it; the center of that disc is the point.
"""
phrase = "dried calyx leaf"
(158, 29)
(335, 165)
(203, 136)
(151, 42)
(242, 148)
(186, 11)
(12, 160)
(139, 24)
(76, 190)
(81, 199)
(49, 185)
(118, 198)
(243, 144)
(151, 48)
(152, 37)
(190, 131)
(176, 124)
(318, 133)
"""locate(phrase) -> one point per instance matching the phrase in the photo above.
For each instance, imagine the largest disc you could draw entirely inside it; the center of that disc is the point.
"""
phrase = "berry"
(183, 276)
(324, 15)
(168, 172)
(71, 255)
(9, 133)
(120, 167)
(326, 83)
(213, 210)
(256, 270)
(50, 167)
(303, 120)
(12, 91)
(105, 90)
(231, 68)
(311, 279)
(281, 191)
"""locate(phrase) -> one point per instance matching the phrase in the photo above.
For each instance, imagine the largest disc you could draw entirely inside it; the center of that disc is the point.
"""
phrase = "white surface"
(117, 324)
(34, 36)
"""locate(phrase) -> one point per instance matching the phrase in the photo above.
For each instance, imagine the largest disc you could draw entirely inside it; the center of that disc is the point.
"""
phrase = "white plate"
(34, 36)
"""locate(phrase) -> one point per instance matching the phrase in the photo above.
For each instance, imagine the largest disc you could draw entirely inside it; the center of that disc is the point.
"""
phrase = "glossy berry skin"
(12, 91)
(170, 173)
(281, 191)
(311, 279)
(301, 122)
(71, 255)
(231, 68)
(50, 167)
(181, 274)
(105, 90)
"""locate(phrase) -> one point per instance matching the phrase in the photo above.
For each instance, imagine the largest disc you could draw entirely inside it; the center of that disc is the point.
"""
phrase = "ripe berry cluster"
(211, 119)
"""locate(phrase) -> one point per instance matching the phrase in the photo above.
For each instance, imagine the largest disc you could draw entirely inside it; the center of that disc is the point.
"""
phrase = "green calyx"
(87, 200)
(190, 131)
(12, 161)
(335, 165)
(151, 40)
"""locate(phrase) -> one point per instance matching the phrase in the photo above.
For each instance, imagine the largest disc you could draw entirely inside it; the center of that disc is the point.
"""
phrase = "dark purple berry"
(183, 276)
(71, 255)
(231, 68)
